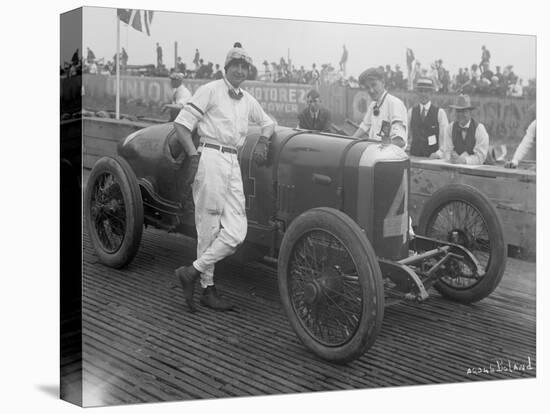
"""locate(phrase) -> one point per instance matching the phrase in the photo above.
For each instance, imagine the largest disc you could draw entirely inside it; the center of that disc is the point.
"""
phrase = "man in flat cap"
(386, 116)
(427, 122)
(180, 95)
(220, 110)
(314, 117)
(466, 141)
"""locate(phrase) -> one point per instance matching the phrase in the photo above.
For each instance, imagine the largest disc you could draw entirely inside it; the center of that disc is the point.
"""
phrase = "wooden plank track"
(141, 345)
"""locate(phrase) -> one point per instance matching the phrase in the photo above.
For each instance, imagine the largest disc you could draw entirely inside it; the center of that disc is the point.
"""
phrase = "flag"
(138, 19)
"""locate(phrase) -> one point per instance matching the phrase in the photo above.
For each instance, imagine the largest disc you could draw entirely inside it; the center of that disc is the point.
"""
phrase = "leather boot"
(211, 298)
(187, 276)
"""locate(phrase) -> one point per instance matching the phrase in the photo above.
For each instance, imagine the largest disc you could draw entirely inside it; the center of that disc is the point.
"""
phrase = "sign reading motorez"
(283, 101)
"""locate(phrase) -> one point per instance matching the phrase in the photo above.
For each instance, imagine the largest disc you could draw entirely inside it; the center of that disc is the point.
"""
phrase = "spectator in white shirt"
(93, 68)
(465, 141)
(180, 96)
(516, 90)
(526, 146)
(386, 115)
(427, 122)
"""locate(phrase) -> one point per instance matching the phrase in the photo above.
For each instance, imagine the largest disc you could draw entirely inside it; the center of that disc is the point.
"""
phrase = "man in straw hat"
(180, 95)
(386, 116)
(220, 110)
(466, 140)
(427, 122)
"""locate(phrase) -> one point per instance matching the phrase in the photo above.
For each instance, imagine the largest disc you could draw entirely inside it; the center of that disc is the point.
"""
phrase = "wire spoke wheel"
(327, 300)
(330, 284)
(114, 211)
(462, 215)
(108, 212)
(462, 223)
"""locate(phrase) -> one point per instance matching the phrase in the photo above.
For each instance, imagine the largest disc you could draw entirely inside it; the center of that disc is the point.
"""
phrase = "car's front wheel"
(331, 285)
(114, 211)
(461, 214)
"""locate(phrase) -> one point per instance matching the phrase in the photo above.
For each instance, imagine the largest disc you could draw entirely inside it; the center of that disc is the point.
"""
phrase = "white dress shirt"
(392, 110)
(481, 147)
(441, 119)
(219, 117)
(526, 143)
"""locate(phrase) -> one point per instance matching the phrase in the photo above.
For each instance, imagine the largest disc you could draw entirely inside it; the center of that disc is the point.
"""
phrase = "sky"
(307, 42)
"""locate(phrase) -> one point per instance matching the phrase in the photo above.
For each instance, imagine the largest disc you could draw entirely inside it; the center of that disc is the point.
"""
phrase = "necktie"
(424, 113)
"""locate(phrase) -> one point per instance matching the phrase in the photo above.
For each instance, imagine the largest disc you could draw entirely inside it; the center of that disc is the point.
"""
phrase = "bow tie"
(463, 129)
(235, 95)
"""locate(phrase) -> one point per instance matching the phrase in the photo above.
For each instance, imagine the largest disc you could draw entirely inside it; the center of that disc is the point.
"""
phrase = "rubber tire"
(497, 260)
(131, 193)
(370, 278)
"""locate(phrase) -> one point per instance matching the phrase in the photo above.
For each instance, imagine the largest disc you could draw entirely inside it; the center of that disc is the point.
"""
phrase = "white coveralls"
(220, 215)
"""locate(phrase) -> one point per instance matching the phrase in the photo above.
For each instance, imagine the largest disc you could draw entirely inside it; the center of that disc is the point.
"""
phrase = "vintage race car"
(330, 211)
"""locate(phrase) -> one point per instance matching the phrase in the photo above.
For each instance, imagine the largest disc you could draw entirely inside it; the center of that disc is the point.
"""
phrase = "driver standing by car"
(220, 110)
(386, 115)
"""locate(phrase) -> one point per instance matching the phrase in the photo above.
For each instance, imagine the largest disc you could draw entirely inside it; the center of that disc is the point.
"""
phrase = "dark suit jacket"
(321, 123)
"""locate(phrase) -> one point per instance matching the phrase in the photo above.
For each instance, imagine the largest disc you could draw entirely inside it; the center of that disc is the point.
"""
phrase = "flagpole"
(117, 113)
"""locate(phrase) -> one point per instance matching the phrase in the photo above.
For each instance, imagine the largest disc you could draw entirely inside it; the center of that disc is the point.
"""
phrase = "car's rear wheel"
(331, 285)
(461, 214)
(114, 211)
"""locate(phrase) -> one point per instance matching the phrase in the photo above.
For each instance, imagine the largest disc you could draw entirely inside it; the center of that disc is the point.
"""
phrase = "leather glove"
(191, 170)
(397, 140)
(261, 151)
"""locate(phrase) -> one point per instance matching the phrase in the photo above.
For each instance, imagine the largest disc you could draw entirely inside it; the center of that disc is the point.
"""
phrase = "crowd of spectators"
(477, 79)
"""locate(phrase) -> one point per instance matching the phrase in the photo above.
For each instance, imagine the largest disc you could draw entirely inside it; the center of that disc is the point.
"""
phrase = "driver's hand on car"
(191, 170)
(511, 164)
(261, 151)
(435, 156)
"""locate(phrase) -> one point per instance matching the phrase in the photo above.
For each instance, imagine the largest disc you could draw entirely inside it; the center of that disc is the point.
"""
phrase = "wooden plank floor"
(141, 345)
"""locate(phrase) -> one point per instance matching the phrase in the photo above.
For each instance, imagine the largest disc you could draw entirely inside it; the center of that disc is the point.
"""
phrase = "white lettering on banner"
(153, 92)
(279, 107)
(142, 89)
(303, 94)
(292, 95)
(168, 93)
(396, 224)
(258, 93)
(265, 94)
(131, 89)
(273, 94)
